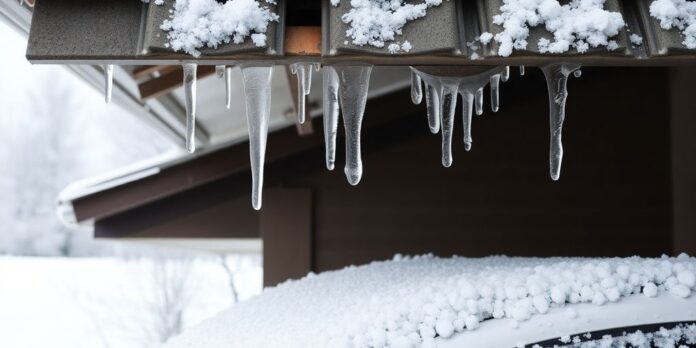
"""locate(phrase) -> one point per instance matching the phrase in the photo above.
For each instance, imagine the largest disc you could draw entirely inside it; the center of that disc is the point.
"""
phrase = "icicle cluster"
(304, 86)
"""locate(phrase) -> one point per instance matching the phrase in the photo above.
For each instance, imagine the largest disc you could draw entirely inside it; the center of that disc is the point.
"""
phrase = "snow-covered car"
(426, 301)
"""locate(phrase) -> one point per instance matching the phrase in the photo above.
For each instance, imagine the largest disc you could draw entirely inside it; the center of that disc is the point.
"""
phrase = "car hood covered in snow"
(426, 301)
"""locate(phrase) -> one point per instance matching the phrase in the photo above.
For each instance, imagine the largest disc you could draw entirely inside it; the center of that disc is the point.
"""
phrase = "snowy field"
(111, 302)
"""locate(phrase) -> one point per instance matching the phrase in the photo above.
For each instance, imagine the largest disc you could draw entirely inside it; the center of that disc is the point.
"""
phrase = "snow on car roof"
(422, 300)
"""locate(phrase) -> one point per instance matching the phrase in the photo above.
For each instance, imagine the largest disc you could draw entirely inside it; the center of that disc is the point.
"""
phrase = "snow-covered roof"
(456, 302)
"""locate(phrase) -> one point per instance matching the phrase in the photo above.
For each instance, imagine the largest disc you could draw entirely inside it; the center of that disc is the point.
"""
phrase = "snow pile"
(409, 301)
(207, 23)
(579, 24)
(679, 14)
(375, 22)
(678, 336)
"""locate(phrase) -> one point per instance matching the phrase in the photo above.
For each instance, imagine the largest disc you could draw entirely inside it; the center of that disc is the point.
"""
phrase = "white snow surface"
(195, 24)
(409, 301)
(678, 14)
(376, 22)
(579, 24)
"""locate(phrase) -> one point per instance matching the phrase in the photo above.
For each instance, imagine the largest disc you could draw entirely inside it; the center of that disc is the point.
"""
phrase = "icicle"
(521, 70)
(257, 91)
(304, 86)
(467, 110)
(190, 92)
(479, 101)
(331, 109)
(21, 2)
(228, 86)
(108, 82)
(577, 73)
(432, 102)
(220, 71)
(505, 75)
(354, 82)
(556, 81)
(495, 92)
(416, 88)
(448, 100)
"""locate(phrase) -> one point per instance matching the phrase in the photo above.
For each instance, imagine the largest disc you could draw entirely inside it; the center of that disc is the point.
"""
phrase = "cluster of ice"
(195, 24)
(409, 301)
(681, 336)
(679, 14)
(579, 24)
(375, 22)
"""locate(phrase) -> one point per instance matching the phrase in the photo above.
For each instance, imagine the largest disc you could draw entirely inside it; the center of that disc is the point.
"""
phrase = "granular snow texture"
(195, 24)
(679, 14)
(579, 24)
(376, 22)
(680, 336)
(408, 301)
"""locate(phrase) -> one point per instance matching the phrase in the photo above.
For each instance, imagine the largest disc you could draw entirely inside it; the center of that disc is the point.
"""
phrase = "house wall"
(613, 198)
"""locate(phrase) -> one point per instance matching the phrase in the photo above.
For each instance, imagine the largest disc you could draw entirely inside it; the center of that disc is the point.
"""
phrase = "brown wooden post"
(683, 110)
(286, 231)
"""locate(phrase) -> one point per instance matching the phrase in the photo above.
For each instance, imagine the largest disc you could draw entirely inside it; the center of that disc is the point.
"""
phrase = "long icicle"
(467, 110)
(432, 101)
(354, 82)
(228, 87)
(557, 81)
(331, 110)
(108, 82)
(521, 70)
(190, 92)
(257, 91)
(495, 92)
(479, 101)
(416, 88)
(304, 86)
(448, 100)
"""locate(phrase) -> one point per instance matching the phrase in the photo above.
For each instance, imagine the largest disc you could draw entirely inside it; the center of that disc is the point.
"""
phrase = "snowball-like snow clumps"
(195, 24)
(409, 301)
(579, 24)
(375, 22)
(679, 14)
(679, 336)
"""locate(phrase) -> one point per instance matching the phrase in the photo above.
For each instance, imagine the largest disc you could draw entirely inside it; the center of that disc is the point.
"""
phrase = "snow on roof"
(579, 24)
(679, 14)
(410, 301)
(195, 24)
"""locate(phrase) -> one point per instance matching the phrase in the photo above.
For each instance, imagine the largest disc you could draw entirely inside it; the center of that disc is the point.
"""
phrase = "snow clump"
(579, 24)
(376, 22)
(679, 14)
(409, 301)
(195, 24)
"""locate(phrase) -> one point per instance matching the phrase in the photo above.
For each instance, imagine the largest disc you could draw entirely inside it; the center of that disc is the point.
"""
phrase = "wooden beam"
(303, 41)
(169, 81)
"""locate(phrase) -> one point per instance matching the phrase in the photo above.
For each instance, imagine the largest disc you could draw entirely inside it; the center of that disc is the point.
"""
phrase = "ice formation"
(376, 22)
(410, 301)
(557, 81)
(108, 82)
(521, 70)
(195, 24)
(353, 81)
(303, 71)
(190, 95)
(416, 88)
(257, 90)
(228, 86)
(331, 111)
(578, 24)
(441, 99)
(678, 14)
(220, 71)
(679, 336)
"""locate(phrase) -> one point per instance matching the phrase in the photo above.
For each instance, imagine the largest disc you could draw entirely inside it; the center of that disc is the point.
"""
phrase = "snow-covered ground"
(422, 301)
(111, 302)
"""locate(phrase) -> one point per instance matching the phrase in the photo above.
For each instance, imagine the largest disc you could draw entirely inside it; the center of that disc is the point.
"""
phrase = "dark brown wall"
(613, 198)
